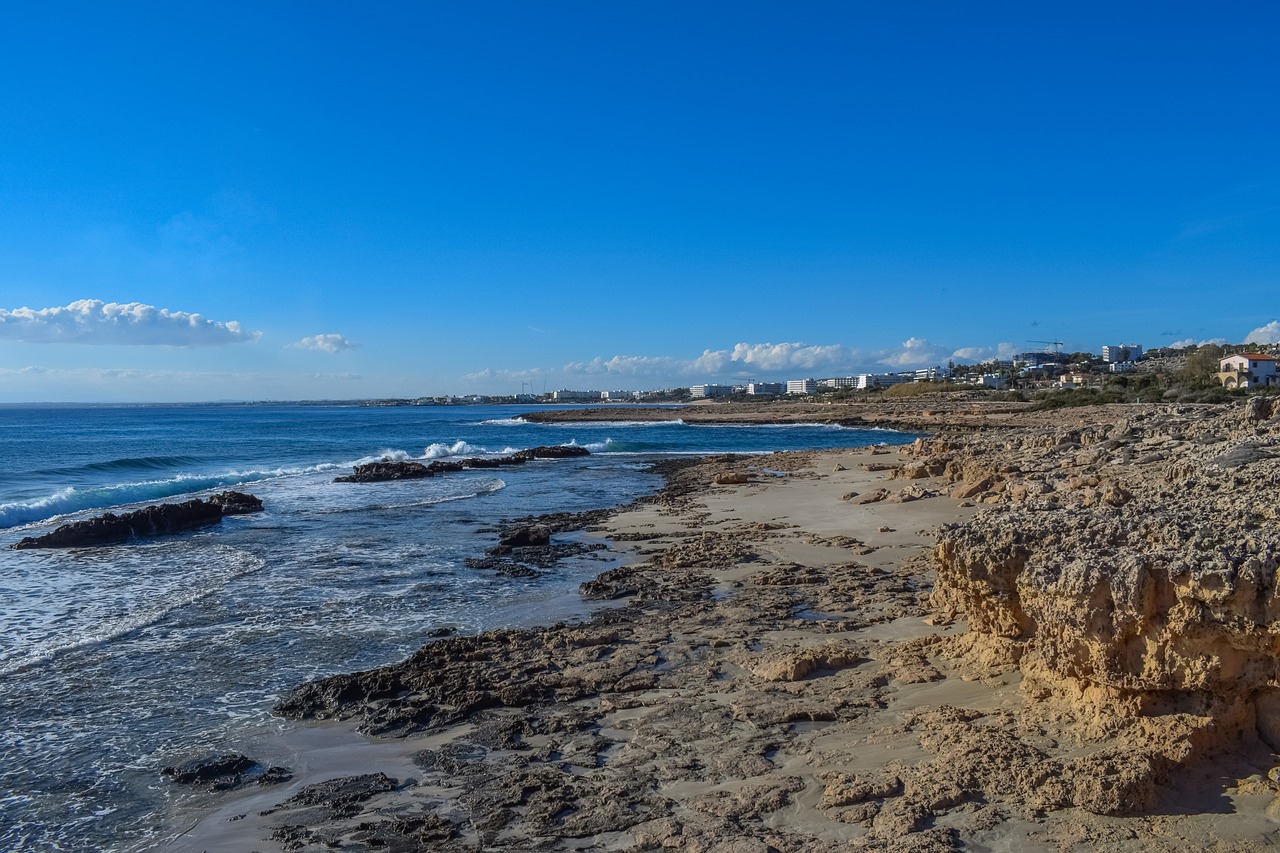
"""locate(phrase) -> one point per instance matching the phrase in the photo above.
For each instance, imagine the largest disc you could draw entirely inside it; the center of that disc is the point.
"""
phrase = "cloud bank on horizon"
(763, 360)
(92, 321)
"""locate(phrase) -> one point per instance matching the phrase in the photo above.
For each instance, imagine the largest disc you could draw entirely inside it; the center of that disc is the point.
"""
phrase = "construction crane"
(1057, 346)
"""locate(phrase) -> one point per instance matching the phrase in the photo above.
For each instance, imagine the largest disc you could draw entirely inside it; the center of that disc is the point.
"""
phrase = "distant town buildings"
(932, 374)
(1120, 353)
(1036, 359)
(564, 395)
(699, 392)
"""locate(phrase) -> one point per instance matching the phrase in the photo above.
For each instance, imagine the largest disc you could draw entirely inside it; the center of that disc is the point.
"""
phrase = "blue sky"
(322, 200)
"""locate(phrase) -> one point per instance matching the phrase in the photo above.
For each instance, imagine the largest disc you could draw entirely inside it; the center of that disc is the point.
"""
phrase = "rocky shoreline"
(1054, 634)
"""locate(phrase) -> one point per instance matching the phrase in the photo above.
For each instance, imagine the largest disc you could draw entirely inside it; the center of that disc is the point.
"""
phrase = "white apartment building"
(881, 380)
(802, 386)
(1118, 353)
(706, 391)
(766, 389)
(566, 396)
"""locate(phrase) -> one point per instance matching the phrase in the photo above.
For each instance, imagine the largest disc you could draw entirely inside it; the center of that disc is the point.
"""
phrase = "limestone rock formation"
(1129, 569)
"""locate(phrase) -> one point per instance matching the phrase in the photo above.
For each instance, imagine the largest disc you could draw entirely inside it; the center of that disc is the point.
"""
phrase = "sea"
(118, 661)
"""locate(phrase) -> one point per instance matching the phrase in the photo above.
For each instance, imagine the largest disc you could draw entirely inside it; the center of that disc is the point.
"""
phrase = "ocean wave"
(504, 422)
(127, 463)
(610, 424)
(485, 487)
(75, 499)
(440, 450)
(236, 564)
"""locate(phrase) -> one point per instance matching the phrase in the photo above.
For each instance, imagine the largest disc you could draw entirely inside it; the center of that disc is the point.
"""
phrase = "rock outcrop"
(387, 470)
(1129, 570)
(225, 772)
(159, 520)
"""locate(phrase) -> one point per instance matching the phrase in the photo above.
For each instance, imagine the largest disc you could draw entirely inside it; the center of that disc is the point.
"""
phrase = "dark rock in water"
(522, 537)
(237, 503)
(562, 451)
(385, 471)
(112, 529)
(274, 775)
(226, 772)
(219, 772)
(506, 567)
(494, 461)
(524, 561)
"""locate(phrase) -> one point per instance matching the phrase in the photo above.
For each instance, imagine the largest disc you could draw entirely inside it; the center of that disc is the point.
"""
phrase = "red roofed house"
(1248, 370)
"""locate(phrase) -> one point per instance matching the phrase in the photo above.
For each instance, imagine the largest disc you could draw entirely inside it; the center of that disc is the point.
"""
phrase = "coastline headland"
(1058, 632)
(930, 413)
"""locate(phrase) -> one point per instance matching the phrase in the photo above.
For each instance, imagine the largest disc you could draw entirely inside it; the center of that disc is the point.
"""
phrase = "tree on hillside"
(1200, 367)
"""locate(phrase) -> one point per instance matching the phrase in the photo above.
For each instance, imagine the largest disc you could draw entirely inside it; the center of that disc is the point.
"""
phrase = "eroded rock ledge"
(1128, 570)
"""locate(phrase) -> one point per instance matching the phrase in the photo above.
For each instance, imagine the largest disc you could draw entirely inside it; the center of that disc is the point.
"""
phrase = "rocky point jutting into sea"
(1056, 632)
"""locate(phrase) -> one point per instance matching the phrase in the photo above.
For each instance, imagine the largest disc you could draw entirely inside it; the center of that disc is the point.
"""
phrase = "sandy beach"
(805, 661)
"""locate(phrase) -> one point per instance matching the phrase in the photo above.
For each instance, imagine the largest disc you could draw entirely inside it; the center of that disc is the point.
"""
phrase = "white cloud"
(627, 365)
(742, 359)
(92, 321)
(324, 343)
(1192, 342)
(915, 352)
(489, 375)
(977, 355)
(790, 356)
(1268, 334)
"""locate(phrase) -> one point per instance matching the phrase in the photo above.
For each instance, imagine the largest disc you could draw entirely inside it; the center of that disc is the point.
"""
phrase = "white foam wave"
(609, 424)
(485, 487)
(504, 422)
(236, 564)
(73, 499)
(439, 450)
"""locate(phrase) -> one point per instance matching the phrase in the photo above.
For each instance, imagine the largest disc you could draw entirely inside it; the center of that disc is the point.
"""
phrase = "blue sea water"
(117, 661)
